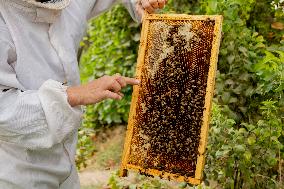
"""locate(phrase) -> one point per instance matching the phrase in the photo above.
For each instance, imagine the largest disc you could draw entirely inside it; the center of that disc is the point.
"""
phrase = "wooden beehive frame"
(208, 98)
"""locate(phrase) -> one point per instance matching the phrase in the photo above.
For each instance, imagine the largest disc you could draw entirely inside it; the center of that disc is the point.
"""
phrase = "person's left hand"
(149, 5)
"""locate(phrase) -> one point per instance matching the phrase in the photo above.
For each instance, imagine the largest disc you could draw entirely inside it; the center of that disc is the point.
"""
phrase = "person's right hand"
(99, 89)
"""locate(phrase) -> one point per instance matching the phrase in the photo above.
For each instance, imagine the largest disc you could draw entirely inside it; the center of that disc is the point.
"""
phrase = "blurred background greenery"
(245, 148)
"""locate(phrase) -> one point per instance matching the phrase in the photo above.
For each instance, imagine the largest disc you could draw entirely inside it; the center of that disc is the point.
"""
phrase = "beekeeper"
(40, 91)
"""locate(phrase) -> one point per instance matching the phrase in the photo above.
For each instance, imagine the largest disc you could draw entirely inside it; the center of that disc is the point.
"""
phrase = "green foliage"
(267, 15)
(245, 148)
(85, 147)
(270, 72)
(247, 156)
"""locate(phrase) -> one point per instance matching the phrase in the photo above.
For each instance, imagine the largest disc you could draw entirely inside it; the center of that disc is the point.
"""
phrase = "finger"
(115, 86)
(108, 94)
(147, 6)
(120, 80)
(154, 4)
(131, 81)
(161, 3)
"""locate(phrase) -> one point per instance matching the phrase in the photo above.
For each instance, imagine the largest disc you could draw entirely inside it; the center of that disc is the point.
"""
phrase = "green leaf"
(133, 186)
(226, 97)
(212, 4)
(240, 148)
(233, 100)
(243, 50)
(251, 140)
(247, 155)
(231, 59)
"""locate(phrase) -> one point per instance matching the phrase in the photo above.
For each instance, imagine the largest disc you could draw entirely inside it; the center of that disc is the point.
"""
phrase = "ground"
(106, 160)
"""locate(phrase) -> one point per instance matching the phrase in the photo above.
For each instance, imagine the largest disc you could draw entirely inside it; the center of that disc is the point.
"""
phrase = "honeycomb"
(169, 109)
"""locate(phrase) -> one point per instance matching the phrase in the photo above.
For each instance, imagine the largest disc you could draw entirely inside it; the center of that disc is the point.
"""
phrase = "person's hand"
(98, 90)
(149, 5)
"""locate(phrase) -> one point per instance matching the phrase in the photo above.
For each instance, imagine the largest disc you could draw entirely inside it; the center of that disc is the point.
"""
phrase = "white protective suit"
(38, 128)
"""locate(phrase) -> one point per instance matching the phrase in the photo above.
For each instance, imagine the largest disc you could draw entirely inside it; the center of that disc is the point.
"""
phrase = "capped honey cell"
(169, 115)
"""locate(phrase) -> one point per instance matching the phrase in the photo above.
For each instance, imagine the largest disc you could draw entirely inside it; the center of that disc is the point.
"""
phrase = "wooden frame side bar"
(132, 113)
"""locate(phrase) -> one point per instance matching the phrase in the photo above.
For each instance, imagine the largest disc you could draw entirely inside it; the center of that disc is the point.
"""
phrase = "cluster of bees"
(171, 100)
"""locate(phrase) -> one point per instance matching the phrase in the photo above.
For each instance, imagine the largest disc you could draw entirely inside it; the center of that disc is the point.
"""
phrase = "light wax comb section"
(170, 110)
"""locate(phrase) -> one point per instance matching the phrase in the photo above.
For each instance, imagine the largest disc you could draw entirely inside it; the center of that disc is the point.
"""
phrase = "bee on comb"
(170, 109)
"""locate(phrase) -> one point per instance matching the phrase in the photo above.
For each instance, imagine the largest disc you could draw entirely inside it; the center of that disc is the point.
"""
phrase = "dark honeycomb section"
(171, 98)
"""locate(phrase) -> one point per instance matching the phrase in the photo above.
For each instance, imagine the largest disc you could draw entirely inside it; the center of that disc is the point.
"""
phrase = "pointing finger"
(131, 81)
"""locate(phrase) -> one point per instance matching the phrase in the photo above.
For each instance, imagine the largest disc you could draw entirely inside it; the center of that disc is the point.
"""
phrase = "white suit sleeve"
(33, 119)
(101, 6)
